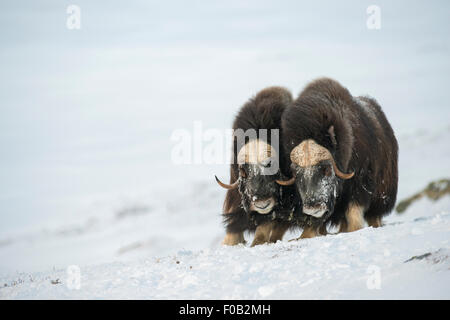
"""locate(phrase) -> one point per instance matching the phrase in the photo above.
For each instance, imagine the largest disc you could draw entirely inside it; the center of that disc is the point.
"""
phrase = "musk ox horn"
(287, 182)
(227, 186)
(339, 173)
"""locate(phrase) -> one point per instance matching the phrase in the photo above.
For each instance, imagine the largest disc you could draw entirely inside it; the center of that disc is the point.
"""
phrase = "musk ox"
(343, 156)
(254, 201)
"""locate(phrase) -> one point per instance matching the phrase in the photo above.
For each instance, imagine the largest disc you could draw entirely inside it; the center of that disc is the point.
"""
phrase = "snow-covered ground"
(86, 177)
(409, 258)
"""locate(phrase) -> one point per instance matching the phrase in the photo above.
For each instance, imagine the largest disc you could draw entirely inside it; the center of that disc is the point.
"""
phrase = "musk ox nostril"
(316, 211)
(263, 204)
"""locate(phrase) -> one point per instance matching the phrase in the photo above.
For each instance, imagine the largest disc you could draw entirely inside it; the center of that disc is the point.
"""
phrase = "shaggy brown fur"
(264, 111)
(362, 142)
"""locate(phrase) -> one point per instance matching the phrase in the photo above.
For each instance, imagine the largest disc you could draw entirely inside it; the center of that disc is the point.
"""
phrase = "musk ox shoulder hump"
(264, 110)
(274, 95)
(328, 89)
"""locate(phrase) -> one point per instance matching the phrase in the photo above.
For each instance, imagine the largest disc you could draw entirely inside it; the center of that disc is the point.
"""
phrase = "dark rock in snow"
(434, 191)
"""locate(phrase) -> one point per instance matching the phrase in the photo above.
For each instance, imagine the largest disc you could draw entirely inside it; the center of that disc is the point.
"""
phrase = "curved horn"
(339, 173)
(227, 186)
(287, 182)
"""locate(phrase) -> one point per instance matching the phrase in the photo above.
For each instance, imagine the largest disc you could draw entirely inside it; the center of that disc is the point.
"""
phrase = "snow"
(366, 264)
(86, 172)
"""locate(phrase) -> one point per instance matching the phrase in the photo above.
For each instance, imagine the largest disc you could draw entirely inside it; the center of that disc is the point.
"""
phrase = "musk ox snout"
(317, 187)
(315, 211)
(260, 190)
(263, 206)
(317, 200)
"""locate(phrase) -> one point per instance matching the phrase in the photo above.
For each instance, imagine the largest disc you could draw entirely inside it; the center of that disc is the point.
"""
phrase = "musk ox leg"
(262, 234)
(323, 230)
(309, 232)
(232, 239)
(354, 218)
(278, 231)
(374, 222)
(343, 226)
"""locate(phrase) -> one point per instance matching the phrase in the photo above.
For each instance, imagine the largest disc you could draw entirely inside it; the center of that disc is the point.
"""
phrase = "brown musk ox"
(254, 201)
(343, 155)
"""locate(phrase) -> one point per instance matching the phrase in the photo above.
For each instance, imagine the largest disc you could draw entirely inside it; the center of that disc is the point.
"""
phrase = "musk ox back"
(254, 201)
(344, 157)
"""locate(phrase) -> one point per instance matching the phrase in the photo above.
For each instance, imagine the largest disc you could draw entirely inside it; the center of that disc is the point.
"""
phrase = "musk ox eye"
(327, 171)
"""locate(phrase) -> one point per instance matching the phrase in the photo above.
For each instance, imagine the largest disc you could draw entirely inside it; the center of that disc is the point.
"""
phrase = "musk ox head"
(258, 166)
(316, 176)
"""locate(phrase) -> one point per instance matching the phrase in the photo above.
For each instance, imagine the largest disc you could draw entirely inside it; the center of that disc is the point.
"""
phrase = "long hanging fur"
(363, 142)
(263, 111)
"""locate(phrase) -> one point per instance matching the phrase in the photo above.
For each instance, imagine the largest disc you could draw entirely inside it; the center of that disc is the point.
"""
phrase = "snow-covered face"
(316, 181)
(317, 186)
(259, 191)
(258, 170)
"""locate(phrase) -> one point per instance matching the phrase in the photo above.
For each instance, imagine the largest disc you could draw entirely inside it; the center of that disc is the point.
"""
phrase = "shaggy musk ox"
(254, 201)
(344, 157)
